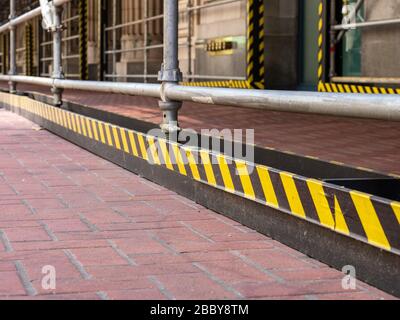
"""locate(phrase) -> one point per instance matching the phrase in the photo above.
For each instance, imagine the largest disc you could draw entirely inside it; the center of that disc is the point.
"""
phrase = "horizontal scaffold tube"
(382, 107)
(135, 89)
(28, 16)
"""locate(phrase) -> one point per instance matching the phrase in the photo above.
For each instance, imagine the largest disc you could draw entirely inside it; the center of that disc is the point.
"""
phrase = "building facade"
(330, 45)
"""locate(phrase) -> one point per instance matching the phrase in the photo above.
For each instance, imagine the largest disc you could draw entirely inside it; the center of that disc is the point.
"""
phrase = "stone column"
(380, 45)
(281, 37)
(92, 32)
(132, 36)
(155, 29)
(132, 62)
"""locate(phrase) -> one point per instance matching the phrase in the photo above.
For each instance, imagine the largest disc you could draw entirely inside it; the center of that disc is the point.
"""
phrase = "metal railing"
(171, 94)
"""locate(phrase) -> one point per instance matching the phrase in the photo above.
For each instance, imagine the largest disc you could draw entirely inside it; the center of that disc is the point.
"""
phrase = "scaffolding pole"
(170, 73)
(13, 48)
(57, 56)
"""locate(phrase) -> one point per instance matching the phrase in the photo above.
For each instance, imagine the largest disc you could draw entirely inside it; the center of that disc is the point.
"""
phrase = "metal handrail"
(373, 23)
(382, 107)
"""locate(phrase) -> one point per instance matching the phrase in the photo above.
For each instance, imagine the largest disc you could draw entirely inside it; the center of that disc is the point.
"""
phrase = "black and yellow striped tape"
(321, 40)
(255, 43)
(233, 84)
(28, 49)
(83, 39)
(4, 50)
(349, 88)
(367, 218)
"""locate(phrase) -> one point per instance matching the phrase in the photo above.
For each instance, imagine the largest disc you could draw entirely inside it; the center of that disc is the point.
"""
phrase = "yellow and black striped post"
(5, 53)
(83, 39)
(255, 44)
(321, 43)
(28, 49)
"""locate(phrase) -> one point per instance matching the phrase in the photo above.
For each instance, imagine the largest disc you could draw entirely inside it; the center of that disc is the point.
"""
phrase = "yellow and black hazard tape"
(321, 41)
(232, 84)
(255, 43)
(358, 215)
(83, 39)
(324, 86)
(255, 57)
(4, 48)
(28, 49)
(350, 88)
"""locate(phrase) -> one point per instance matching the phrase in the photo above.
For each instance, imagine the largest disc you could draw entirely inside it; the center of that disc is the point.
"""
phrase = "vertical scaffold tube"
(170, 73)
(13, 49)
(57, 55)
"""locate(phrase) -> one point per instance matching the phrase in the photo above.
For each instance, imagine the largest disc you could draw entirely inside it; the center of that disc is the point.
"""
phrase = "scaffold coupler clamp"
(49, 12)
(170, 125)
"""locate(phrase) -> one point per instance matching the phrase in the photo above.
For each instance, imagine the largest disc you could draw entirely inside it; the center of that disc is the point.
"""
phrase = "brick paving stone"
(160, 258)
(14, 211)
(137, 226)
(47, 246)
(308, 274)
(121, 272)
(49, 203)
(140, 294)
(103, 216)
(196, 286)
(34, 263)
(27, 234)
(147, 244)
(98, 256)
(234, 271)
(7, 266)
(129, 246)
(66, 225)
(10, 284)
(69, 286)
(274, 289)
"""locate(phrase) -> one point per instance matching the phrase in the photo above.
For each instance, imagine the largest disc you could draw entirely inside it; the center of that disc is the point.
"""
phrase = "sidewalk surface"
(110, 234)
(370, 144)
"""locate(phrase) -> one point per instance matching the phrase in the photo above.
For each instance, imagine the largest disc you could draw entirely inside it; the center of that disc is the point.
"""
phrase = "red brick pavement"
(361, 143)
(113, 235)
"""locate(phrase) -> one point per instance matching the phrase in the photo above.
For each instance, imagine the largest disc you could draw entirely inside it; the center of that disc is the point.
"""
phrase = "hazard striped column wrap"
(5, 53)
(28, 49)
(255, 44)
(83, 39)
(321, 43)
(358, 215)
